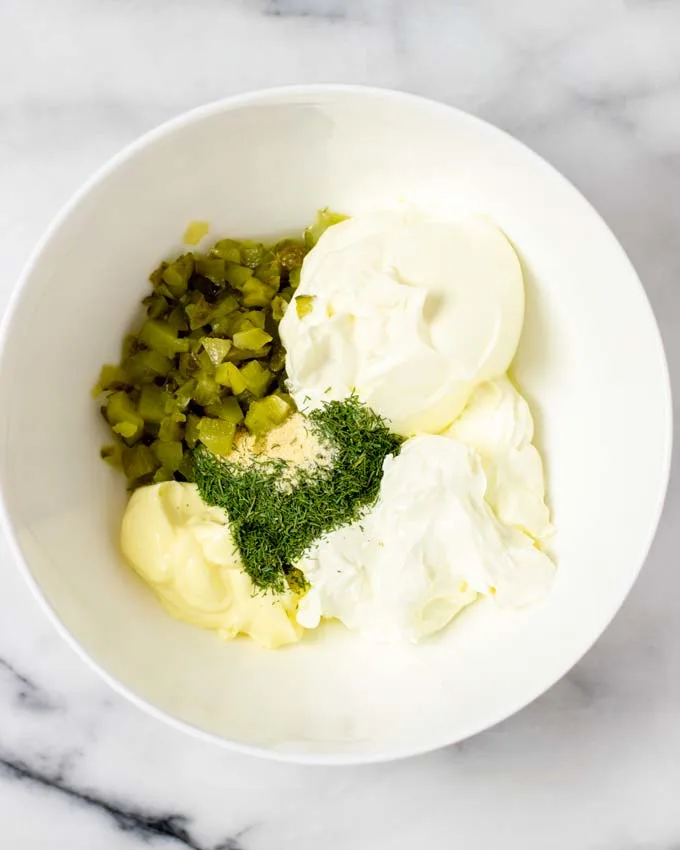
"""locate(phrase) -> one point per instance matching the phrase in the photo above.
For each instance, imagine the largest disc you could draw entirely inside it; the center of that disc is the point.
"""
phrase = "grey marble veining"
(592, 85)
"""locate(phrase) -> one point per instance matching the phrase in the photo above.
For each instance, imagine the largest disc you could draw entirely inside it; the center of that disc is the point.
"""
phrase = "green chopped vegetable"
(229, 375)
(152, 400)
(324, 220)
(207, 360)
(217, 435)
(228, 409)
(196, 230)
(251, 339)
(169, 454)
(237, 275)
(257, 377)
(304, 304)
(176, 275)
(265, 414)
(216, 349)
(228, 250)
(139, 462)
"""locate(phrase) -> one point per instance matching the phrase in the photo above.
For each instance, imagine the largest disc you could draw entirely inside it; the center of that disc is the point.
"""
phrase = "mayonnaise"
(183, 549)
(430, 546)
(409, 311)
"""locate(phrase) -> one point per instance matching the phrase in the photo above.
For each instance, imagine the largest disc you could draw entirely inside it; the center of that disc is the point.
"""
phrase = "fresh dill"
(277, 511)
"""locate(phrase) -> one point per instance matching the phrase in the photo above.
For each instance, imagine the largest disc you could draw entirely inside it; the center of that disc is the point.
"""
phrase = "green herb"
(277, 511)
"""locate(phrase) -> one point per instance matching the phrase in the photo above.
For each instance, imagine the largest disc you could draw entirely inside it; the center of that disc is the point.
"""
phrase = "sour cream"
(409, 311)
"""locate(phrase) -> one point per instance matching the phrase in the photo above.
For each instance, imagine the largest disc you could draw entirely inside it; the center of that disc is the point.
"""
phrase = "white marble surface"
(594, 86)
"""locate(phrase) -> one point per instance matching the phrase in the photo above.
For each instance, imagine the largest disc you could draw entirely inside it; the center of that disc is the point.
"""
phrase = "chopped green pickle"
(304, 304)
(251, 339)
(196, 230)
(151, 405)
(139, 462)
(237, 275)
(228, 250)
(176, 274)
(217, 349)
(112, 454)
(257, 294)
(229, 375)
(191, 431)
(160, 337)
(228, 409)
(207, 360)
(267, 413)
(324, 220)
(169, 454)
(217, 435)
(257, 377)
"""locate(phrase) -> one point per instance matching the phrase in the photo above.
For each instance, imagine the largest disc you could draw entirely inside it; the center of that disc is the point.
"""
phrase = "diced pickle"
(216, 349)
(217, 435)
(257, 378)
(257, 294)
(237, 354)
(208, 352)
(110, 378)
(121, 409)
(251, 339)
(290, 253)
(304, 304)
(214, 268)
(191, 431)
(228, 409)
(160, 337)
(253, 319)
(185, 392)
(112, 454)
(294, 279)
(138, 462)
(177, 319)
(207, 389)
(229, 375)
(147, 366)
(251, 253)
(228, 250)
(156, 305)
(128, 430)
(267, 413)
(279, 306)
(237, 275)
(277, 359)
(170, 430)
(169, 454)
(151, 405)
(176, 275)
(269, 273)
(324, 220)
(196, 230)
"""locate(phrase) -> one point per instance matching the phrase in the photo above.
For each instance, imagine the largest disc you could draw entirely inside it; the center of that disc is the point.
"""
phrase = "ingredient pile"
(324, 428)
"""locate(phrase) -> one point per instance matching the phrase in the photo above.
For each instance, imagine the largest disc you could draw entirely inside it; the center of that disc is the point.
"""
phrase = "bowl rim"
(228, 104)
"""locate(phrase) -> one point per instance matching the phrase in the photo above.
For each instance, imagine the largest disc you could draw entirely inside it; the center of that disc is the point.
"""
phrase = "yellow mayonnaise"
(183, 549)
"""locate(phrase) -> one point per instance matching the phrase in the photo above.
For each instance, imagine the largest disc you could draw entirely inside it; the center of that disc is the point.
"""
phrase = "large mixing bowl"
(591, 362)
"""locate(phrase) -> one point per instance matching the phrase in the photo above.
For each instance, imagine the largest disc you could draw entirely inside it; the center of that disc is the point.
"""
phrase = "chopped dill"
(277, 511)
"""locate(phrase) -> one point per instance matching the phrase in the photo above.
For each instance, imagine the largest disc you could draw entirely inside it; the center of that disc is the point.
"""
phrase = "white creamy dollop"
(433, 543)
(497, 423)
(409, 311)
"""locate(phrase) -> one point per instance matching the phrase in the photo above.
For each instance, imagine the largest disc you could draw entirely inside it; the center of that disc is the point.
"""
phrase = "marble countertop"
(592, 85)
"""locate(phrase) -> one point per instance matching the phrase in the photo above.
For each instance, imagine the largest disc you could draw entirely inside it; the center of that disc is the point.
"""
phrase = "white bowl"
(591, 362)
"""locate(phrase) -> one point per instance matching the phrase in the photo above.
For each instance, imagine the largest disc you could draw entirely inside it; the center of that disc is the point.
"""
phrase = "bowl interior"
(590, 362)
